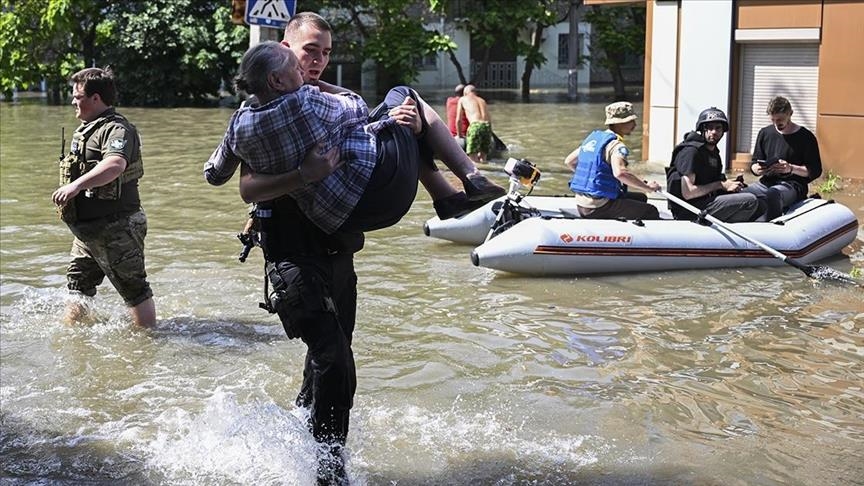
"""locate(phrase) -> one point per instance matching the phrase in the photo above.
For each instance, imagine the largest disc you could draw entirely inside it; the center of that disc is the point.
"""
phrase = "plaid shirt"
(275, 138)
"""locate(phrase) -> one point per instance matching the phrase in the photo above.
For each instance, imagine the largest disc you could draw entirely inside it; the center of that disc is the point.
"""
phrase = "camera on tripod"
(522, 171)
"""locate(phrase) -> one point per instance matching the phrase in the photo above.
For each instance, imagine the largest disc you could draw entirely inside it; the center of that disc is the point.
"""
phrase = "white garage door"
(769, 70)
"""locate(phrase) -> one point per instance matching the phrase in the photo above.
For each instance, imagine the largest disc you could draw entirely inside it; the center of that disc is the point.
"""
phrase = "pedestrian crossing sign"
(270, 13)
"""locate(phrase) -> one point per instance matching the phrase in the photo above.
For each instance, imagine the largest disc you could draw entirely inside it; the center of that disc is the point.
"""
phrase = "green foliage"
(12, 62)
(385, 31)
(857, 272)
(397, 45)
(540, 16)
(389, 32)
(616, 32)
(174, 52)
(163, 52)
(504, 22)
(830, 184)
(20, 39)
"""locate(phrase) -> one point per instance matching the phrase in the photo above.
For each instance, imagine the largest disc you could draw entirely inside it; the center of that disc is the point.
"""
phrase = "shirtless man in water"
(478, 139)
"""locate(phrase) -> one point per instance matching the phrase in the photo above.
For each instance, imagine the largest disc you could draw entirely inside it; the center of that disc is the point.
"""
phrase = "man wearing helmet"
(696, 175)
(786, 155)
(600, 171)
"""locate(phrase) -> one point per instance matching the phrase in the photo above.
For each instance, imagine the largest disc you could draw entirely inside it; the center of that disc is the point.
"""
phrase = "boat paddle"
(819, 272)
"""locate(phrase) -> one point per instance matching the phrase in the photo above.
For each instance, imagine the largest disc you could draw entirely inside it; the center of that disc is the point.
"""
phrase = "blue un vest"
(593, 174)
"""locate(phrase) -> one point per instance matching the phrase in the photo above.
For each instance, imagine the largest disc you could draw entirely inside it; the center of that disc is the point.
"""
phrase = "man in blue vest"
(601, 177)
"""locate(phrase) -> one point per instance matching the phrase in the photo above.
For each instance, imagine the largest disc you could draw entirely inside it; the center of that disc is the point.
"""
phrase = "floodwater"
(466, 376)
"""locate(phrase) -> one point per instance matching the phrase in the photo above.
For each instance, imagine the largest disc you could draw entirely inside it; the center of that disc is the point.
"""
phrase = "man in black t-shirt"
(786, 156)
(696, 175)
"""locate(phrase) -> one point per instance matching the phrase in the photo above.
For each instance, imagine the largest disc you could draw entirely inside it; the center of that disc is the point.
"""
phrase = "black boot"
(331, 466)
(455, 206)
(480, 188)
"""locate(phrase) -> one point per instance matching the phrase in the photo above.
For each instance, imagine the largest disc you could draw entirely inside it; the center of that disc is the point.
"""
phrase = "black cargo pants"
(317, 302)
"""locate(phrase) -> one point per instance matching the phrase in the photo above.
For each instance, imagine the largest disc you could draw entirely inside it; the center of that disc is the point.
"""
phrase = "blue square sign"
(270, 13)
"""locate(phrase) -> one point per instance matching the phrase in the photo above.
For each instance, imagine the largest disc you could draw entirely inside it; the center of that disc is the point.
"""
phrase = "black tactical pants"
(318, 303)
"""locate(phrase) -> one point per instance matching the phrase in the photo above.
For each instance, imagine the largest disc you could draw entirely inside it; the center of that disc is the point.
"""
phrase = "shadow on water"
(33, 455)
(506, 470)
(232, 333)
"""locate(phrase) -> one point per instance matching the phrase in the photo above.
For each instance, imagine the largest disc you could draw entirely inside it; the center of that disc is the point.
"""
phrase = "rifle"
(249, 238)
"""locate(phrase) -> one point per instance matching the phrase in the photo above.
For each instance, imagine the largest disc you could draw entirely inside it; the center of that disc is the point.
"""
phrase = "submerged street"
(465, 375)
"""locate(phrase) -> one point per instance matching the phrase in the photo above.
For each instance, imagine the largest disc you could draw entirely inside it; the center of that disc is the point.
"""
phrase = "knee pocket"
(83, 275)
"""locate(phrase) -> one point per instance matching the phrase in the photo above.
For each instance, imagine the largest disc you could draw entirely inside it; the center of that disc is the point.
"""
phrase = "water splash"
(822, 272)
(230, 442)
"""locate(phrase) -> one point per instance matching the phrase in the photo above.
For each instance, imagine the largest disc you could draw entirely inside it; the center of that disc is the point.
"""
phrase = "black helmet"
(712, 114)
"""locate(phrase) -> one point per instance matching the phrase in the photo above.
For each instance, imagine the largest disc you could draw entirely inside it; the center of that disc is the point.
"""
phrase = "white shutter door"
(769, 70)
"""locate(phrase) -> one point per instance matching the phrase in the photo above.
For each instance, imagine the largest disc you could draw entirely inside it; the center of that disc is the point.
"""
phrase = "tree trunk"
(53, 93)
(529, 67)
(618, 81)
(481, 72)
(88, 45)
(573, 47)
(458, 66)
(526, 83)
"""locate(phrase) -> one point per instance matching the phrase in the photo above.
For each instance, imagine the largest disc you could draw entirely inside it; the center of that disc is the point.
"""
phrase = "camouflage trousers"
(478, 138)
(112, 248)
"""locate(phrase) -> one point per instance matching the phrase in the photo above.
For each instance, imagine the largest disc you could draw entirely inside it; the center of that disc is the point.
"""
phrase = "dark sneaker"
(455, 206)
(479, 188)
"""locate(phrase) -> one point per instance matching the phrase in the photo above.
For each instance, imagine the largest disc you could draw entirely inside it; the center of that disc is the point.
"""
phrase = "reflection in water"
(466, 376)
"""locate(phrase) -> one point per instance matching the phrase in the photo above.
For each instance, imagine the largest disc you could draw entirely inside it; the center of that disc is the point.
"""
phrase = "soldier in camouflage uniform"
(98, 199)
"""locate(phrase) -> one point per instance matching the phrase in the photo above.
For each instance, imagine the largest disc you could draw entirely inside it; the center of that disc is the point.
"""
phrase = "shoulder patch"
(117, 144)
(624, 151)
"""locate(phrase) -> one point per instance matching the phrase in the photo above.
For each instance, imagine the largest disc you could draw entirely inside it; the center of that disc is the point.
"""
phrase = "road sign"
(270, 13)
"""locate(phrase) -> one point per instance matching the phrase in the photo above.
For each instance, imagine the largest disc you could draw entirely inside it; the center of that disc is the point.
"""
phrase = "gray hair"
(256, 65)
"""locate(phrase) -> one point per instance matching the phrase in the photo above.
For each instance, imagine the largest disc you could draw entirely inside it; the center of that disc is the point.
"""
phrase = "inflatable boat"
(555, 244)
(473, 228)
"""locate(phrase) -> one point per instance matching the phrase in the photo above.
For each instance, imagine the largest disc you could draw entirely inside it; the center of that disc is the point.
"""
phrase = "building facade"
(737, 55)
(505, 70)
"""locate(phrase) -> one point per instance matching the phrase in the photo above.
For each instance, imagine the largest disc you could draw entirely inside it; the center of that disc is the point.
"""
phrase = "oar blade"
(822, 272)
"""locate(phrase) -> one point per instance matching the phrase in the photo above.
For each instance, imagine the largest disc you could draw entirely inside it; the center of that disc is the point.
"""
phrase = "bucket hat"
(619, 112)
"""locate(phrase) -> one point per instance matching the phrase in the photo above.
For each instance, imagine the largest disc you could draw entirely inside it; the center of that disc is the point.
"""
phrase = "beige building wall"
(841, 77)
(841, 68)
(840, 110)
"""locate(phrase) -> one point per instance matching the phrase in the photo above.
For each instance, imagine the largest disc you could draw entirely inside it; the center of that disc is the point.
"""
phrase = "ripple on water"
(462, 443)
(466, 375)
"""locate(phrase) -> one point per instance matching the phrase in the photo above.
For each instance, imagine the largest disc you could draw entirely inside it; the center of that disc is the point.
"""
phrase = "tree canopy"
(182, 52)
(163, 52)
(617, 32)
